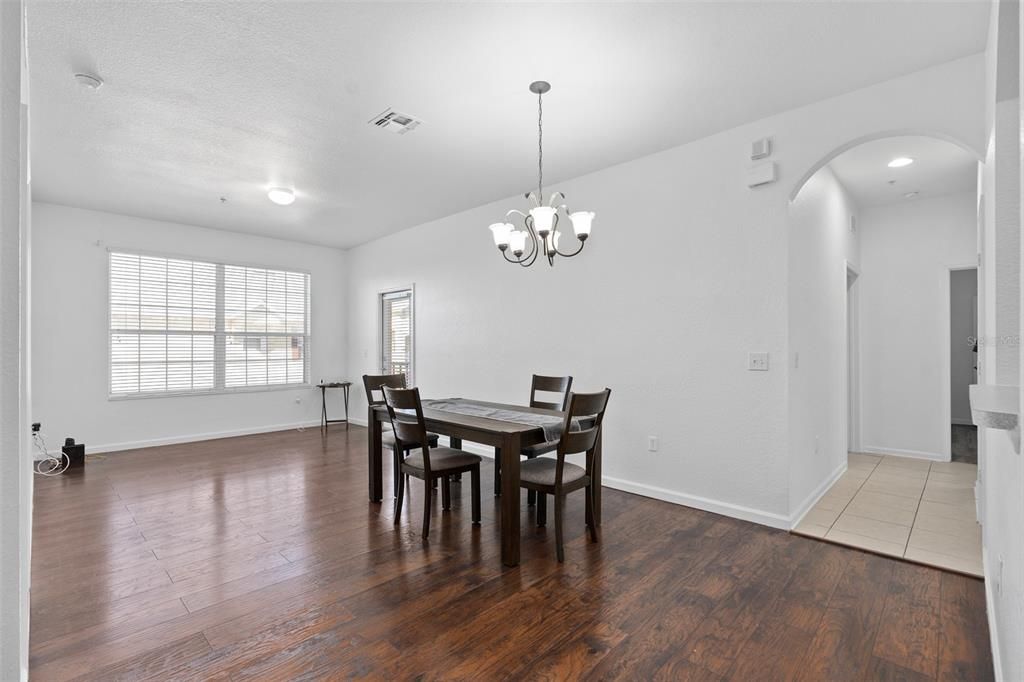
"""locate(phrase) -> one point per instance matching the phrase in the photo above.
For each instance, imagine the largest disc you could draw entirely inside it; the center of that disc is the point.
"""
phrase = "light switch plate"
(757, 362)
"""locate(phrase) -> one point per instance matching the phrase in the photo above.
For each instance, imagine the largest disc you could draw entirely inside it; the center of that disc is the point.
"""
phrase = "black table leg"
(345, 391)
(323, 408)
(375, 453)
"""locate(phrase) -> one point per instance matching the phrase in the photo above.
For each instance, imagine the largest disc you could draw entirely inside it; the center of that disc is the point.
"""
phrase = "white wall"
(685, 274)
(906, 252)
(821, 243)
(963, 331)
(15, 466)
(1000, 467)
(70, 332)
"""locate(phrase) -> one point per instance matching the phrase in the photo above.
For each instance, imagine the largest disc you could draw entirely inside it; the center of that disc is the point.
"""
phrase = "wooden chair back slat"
(586, 404)
(579, 441)
(375, 383)
(549, 385)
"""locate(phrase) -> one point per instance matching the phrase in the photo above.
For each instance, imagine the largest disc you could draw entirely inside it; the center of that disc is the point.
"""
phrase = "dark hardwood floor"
(260, 557)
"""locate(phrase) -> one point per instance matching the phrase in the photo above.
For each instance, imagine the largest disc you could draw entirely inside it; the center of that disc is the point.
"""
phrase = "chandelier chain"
(540, 147)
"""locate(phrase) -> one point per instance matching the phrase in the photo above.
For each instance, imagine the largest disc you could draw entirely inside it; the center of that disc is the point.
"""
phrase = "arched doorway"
(892, 214)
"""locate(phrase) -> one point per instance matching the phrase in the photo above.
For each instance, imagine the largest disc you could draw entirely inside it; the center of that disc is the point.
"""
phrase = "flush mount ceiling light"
(900, 162)
(88, 80)
(910, 195)
(541, 223)
(281, 196)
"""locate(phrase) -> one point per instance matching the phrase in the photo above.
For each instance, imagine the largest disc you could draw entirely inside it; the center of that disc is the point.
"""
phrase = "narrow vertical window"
(396, 351)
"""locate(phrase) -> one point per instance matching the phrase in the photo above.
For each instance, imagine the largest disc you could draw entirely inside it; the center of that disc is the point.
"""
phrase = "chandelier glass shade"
(539, 234)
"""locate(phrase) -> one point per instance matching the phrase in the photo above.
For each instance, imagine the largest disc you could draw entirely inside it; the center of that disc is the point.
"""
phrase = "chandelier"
(541, 222)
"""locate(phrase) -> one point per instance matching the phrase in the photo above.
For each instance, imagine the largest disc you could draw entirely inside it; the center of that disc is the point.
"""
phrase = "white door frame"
(947, 355)
(851, 341)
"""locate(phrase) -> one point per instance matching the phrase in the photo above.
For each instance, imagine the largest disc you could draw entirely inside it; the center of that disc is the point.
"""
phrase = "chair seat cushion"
(540, 449)
(387, 439)
(443, 459)
(541, 471)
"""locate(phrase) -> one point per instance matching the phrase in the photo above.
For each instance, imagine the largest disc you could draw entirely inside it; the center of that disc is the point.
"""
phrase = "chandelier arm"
(510, 260)
(529, 260)
(555, 197)
(516, 210)
(570, 255)
(532, 196)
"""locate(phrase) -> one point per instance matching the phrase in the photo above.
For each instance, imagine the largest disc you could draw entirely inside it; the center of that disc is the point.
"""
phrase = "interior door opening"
(963, 362)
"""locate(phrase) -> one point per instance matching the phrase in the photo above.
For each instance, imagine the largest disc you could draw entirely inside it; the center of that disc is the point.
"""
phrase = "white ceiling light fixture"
(89, 81)
(542, 221)
(910, 195)
(900, 162)
(281, 196)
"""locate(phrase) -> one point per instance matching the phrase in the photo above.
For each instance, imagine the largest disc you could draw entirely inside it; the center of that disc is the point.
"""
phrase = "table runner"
(552, 425)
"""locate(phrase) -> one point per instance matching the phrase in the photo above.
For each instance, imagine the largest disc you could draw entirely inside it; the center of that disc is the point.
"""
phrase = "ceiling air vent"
(395, 122)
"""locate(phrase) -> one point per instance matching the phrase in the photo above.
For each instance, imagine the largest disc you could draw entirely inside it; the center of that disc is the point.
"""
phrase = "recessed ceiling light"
(910, 195)
(900, 162)
(281, 196)
(88, 80)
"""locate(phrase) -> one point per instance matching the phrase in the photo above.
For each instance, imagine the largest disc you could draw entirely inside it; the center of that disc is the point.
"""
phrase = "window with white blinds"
(396, 351)
(187, 326)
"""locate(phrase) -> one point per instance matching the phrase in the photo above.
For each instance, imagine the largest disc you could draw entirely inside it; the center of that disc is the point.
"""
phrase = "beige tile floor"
(918, 510)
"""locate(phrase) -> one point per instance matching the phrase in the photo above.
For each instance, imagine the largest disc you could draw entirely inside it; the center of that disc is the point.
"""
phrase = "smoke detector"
(88, 80)
(394, 121)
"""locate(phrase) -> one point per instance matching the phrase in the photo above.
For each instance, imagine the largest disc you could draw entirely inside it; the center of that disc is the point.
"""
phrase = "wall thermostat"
(761, 149)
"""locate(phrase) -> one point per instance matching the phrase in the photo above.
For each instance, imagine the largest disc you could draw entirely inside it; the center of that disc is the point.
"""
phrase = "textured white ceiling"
(939, 167)
(211, 99)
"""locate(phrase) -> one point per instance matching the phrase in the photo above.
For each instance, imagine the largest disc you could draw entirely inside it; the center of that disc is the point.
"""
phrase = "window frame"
(381, 294)
(216, 390)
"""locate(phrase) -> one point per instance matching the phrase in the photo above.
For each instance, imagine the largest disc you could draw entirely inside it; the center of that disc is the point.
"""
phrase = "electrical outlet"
(757, 362)
(652, 443)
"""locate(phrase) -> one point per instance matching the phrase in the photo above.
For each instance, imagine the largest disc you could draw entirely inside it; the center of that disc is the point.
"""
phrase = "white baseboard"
(993, 634)
(796, 517)
(193, 437)
(962, 421)
(912, 454)
(715, 506)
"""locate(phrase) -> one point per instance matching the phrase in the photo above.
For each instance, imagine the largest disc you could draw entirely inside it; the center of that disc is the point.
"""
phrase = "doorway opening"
(963, 362)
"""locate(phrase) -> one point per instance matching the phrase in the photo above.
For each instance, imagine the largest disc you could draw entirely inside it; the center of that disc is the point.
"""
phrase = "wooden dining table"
(508, 437)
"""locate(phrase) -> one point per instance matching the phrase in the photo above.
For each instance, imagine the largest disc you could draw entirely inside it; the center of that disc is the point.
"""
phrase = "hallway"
(915, 509)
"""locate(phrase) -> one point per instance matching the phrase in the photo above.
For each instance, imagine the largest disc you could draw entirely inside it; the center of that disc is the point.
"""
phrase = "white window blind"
(397, 333)
(186, 326)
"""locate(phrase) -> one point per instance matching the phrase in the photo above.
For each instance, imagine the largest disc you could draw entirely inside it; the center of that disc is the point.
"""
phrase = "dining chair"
(374, 385)
(561, 385)
(556, 477)
(430, 463)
